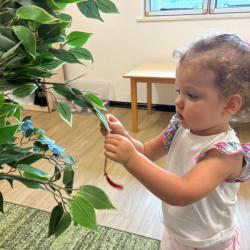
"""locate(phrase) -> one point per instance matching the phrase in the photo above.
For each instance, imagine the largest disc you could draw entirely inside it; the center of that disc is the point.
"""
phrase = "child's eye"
(178, 91)
(192, 96)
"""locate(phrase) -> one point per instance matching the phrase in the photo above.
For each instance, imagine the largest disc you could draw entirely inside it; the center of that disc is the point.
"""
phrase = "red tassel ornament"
(106, 174)
(112, 183)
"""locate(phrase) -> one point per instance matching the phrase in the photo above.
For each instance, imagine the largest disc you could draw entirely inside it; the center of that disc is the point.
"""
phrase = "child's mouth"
(180, 117)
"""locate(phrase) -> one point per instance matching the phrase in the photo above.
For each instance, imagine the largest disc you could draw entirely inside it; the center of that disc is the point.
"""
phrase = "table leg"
(149, 98)
(134, 105)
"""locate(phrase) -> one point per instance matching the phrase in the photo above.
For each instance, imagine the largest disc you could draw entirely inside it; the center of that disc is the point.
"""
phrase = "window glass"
(165, 5)
(232, 3)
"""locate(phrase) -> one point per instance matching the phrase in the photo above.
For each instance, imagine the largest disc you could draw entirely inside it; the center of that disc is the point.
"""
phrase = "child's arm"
(201, 180)
(153, 149)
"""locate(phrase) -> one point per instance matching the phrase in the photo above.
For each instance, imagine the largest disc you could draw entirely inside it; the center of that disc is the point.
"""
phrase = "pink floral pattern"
(169, 132)
(228, 148)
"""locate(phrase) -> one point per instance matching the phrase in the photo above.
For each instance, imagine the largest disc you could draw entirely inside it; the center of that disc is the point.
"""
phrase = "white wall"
(121, 43)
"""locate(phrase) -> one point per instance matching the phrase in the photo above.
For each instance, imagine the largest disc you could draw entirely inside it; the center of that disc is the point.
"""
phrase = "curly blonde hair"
(229, 58)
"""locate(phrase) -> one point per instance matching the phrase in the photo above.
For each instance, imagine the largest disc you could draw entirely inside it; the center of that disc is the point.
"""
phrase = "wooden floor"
(138, 210)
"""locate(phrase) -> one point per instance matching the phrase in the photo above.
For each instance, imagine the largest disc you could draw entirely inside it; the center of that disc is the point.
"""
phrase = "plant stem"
(23, 178)
(4, 3)
(62, 197)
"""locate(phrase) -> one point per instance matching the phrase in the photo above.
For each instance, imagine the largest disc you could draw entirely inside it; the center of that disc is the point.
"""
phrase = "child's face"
(198, 105)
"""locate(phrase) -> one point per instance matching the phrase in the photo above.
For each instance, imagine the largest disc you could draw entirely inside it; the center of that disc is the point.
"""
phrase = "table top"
(153, 70)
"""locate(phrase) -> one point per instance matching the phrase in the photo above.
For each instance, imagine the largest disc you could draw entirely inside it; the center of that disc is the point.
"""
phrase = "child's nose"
(179, 102)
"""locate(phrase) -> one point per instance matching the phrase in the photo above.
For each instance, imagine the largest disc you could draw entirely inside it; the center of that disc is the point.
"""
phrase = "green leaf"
(56, 149)
(55, 217)
(1, 99)
(68, 176)
(95, 100)
(29, 169)
(103, 119)
(9, 52)
(33, 72)
(31, 12)
(8, 108)
(49, 32)
(35, 177)
(64, 91)
(27, 127)
(96, 197)
(63, 224)
(107, 6)
(89, 9)
(65, 20)
(39, 147)
(84, 102)
(38, 131)
(42, 4)
(12, 154)
(29, 159)
(65, 56)
(57, 176)
(82, 53)
(7, 132)
(83, 212)
(70, 159)
(17, 114)
(54, 6)
(9, 85)
(3, 119)
(8, 40)
(65, 113)
(51, 64)
(71, 1)
(78, 39)
(5, 17)
(27, 38)
(1, 203)
(45, 139)
(24, 90)
(32, 25)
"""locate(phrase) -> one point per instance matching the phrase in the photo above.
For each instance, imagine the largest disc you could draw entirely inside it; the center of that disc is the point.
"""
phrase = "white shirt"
(210, 220)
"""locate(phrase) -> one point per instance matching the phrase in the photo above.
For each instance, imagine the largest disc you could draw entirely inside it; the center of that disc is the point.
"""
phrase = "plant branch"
(62, 170)
(23, 178)
(62, 197)
(4, 3)
(75, 78)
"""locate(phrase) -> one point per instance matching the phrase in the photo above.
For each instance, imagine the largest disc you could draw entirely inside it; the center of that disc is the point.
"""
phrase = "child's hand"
(119, 149)
(114, 125)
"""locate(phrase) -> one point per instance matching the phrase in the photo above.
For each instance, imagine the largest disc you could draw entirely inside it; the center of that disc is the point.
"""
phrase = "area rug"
(23, 228)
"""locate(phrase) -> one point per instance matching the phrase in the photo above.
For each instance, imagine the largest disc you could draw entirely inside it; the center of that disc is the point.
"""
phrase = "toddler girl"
(205, 160)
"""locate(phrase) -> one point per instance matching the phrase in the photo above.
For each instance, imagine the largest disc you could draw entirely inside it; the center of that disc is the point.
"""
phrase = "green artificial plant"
(28, 30)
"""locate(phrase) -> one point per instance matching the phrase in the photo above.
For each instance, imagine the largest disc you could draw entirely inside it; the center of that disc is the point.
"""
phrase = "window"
(192, 7)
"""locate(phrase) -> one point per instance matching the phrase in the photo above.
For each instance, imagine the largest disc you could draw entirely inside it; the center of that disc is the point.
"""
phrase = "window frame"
(207, 8)
(213, 10)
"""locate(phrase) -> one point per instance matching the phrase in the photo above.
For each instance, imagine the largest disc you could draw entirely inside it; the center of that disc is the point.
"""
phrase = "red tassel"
(112, 183)
(106, 174)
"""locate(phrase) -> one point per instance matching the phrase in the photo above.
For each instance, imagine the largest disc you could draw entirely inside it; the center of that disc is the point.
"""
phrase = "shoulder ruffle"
(169, 132)
(230, 148)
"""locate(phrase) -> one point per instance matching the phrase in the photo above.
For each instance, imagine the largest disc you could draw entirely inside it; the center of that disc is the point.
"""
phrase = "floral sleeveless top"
(223, 147)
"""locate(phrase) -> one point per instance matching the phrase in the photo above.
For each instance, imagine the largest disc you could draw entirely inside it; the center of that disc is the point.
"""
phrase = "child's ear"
(233, 104)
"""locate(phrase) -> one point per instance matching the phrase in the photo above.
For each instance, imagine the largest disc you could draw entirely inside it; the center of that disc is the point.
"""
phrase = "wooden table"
(148, 73)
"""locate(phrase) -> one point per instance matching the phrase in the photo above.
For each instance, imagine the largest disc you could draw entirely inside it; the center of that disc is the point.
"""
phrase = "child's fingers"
(114, 137)
(110, 148)
(111, 118)
(111, 141)
(110, 155)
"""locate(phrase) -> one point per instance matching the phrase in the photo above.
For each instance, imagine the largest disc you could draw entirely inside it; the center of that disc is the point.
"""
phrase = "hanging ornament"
(106, 174)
